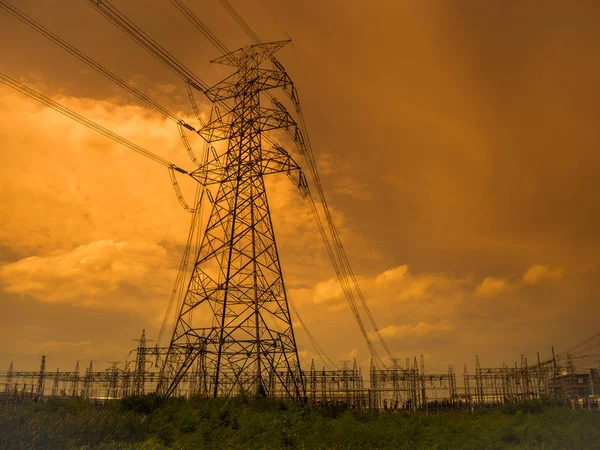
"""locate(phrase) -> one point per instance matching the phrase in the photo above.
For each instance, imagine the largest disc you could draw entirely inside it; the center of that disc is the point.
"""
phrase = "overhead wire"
(135, 33)
(582, 345)
(196, 228)
(342, 279)
(18, 14)
(240, 20)
(183, 265)
(200, 26)
(139, 36)
(325, 359)
(88, 123)
(585, 353)
(181, 124)
(345, 267)
(195, 108)
(223, 48)
(341, 253)
(144, 40)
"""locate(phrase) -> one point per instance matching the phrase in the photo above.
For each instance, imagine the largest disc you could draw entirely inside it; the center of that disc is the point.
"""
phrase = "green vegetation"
(260, 423)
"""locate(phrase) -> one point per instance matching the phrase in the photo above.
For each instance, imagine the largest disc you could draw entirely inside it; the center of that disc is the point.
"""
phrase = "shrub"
(259, 422)
(142, 404)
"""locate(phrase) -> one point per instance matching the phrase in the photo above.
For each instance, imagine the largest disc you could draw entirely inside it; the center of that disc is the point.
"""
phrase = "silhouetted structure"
(396, 388)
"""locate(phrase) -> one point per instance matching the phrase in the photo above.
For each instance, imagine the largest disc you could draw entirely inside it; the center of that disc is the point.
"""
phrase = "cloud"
(65, 186)
(402, 286)
(539, 273)
(491, 286)
(91, 227)
(392, 295)
(102, 274)
(350, 187)
(391, 275)
(422, 295)
(422, 329)
(536, 274)
(328, 291)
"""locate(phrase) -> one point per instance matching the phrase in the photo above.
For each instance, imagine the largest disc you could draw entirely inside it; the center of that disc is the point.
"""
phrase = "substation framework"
(407, 387)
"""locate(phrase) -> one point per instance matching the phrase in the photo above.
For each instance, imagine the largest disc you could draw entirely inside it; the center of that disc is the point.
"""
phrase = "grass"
(260, 423)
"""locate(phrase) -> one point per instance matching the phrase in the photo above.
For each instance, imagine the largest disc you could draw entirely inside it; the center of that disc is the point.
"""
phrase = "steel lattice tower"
(234, 319)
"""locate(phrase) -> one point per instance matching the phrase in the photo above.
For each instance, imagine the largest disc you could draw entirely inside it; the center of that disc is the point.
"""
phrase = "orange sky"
(457, 143)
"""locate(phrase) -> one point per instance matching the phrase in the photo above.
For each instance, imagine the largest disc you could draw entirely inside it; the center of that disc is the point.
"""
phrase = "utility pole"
(467, 387)
(9, 377)
(88, 391)
(139, 377)
(41, 377)
(75, 385)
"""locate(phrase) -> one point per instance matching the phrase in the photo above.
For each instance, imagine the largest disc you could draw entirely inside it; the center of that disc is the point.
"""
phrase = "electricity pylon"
(234, 319)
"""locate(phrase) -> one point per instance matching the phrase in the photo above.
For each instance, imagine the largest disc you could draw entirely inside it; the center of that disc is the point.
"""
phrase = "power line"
(183, 9)
(324, 357)
(345, 274)
(347, 277)
(88, 123)
(197, 211)
(221, 47)
(240, 20)
(15, 12)
(138, 35)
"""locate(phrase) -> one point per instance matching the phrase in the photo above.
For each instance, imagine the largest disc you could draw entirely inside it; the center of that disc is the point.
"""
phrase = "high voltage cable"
(310, 156)
(343, 272)
(15, 12)
(221, 47)
(183, 264)
(18, 14)
(240, 20)
(335, 234)
(88, 123)
(135, 33)
(322, 355)
(341, 279)
(196, 224)
(183, 9)
(574, 349)
(143, 39)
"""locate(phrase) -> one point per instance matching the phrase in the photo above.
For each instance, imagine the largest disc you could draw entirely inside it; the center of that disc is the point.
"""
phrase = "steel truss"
(234, 322)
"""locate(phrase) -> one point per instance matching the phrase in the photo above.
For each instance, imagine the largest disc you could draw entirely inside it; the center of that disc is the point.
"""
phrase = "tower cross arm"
(267, 119)
(275, 118)
(272, 160)
(264, 80)
(257, 53)
(278, 160)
